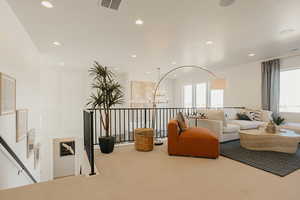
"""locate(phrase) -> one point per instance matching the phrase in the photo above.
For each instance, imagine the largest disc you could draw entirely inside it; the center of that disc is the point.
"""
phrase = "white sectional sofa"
(225, 122)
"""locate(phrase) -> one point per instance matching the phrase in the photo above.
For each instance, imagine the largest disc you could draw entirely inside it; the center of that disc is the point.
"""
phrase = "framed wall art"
(36, 155)
(21, 124)
(30, 142)
(7, 94)
(141, 93)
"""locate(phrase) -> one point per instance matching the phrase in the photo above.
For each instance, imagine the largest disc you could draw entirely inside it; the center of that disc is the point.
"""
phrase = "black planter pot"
(107, 144)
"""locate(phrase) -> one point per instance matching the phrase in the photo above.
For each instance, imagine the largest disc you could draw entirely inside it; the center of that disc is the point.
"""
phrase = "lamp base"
(158, 142)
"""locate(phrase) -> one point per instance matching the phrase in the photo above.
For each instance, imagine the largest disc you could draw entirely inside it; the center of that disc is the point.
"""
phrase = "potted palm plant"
(107, 93)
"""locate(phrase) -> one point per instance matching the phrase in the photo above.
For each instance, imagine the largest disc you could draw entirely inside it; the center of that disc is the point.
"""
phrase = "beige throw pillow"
(181, 122)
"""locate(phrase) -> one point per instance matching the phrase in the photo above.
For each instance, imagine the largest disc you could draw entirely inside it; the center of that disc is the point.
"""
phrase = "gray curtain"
(271, 85)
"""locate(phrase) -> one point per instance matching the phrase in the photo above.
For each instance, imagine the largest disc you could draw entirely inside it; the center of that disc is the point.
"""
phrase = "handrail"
(16, 158)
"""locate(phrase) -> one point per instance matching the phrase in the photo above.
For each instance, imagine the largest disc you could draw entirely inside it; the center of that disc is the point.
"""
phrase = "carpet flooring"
(128, 174)
(277, 163)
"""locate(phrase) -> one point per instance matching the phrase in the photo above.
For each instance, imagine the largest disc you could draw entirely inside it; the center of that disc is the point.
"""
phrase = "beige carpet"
(127, 174)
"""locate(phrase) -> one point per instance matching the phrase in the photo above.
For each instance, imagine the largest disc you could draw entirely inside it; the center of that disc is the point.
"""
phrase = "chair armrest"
(215, 126)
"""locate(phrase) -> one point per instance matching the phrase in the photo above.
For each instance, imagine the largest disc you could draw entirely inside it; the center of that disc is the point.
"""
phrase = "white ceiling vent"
(112, 4)
(226, 3)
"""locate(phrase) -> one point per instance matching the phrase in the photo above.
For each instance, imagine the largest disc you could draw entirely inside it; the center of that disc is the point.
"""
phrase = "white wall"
(55, 97)
(13, 178)
(20, 59)
(244, 85)
(63, 97)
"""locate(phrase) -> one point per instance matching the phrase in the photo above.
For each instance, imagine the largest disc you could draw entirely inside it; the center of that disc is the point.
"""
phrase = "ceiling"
(173, 31)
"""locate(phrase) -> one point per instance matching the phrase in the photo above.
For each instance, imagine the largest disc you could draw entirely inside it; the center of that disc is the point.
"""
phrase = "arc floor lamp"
(217, 83)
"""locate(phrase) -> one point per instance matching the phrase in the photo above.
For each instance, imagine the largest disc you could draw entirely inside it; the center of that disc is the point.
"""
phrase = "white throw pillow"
(231, 113)
(266, 115)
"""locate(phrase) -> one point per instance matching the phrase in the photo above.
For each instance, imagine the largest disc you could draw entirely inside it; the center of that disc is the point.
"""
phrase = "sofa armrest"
(173, 131)
(215, 126)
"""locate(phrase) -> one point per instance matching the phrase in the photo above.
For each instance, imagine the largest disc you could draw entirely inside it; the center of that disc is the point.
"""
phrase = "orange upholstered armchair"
(199, 142)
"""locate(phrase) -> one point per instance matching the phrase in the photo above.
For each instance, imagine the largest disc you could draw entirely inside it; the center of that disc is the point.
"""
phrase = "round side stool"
(143, 139)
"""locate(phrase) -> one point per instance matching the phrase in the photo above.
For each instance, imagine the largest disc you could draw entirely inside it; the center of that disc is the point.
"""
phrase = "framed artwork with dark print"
(67, 148)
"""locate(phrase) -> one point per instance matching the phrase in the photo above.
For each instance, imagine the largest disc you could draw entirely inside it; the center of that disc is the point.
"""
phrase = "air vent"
(226, 3)
(112, 4)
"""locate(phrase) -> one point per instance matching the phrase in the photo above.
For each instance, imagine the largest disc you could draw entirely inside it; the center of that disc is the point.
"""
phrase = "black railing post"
(145, 118)
(88, 120)
(92, 146)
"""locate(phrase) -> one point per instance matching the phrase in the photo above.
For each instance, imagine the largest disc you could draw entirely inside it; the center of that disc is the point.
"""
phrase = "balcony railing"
(125, 120)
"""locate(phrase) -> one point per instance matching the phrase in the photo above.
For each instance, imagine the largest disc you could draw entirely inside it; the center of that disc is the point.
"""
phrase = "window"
(289, 91)
(188, 96)
(216, 98)
(201, 95)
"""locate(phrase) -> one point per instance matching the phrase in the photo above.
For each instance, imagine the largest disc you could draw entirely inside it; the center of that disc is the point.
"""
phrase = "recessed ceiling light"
(148, 72)
(116, 68)
(61, 63)
(251, 54)
(209, 42)
(56, 43)
(287, 31)
(47, 4)
(175, 75)
(174, 63)
(133, 56)
(139, 22)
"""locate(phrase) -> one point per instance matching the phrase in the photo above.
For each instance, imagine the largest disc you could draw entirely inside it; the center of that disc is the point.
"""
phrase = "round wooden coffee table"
(284, 141)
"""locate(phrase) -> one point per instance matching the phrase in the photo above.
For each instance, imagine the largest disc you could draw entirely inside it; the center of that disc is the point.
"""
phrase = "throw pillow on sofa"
(181, 122)
(243, 116)
(254, 115)
(266, 115)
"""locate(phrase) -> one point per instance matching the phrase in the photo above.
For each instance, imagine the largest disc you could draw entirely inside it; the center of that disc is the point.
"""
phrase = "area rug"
(280, 164)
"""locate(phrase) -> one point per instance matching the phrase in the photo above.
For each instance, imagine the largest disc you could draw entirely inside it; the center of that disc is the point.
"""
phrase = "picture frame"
(141, 93)
(37, 155)
(67, 148)
(21, 124)
(7, 94)
(30, 142)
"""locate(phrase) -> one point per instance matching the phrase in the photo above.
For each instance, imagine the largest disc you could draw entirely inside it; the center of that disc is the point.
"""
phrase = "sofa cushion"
(244, 125)
(217, 115)
(266, 115)
(231, 113)
(231, 128)
(214, 115)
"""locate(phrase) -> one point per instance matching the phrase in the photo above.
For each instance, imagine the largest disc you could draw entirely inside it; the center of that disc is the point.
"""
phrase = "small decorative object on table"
(143, 139)
(271, 127)
(278, 120)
